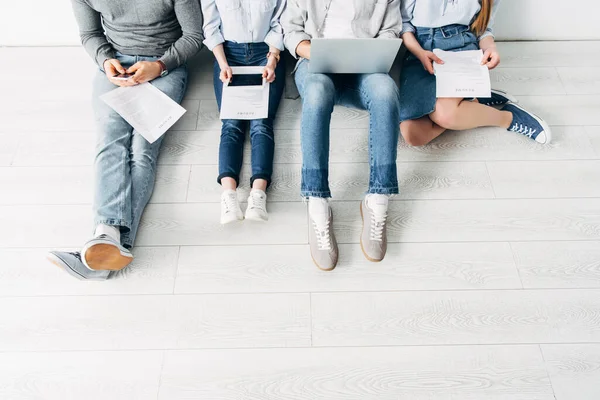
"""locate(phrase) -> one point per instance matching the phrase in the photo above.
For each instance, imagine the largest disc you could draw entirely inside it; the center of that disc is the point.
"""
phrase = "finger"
(486, 57)
(430, 68)
(437, 59)
(117, 65)
(265, 74)
(134, 68)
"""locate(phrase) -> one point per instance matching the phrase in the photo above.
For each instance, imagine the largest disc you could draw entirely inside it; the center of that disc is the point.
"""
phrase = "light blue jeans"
(125, 164)
(376, 93)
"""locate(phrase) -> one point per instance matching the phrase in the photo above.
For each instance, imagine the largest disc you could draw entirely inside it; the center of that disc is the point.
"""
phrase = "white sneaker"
(230, 207)
(257, 206)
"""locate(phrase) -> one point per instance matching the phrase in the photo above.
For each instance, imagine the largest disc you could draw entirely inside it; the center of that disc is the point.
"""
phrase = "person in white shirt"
(246, 33)
(304, 20)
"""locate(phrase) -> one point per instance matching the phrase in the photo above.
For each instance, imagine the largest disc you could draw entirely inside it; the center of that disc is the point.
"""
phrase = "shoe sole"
(58, 262)
(511, 98)
(106, 257)
(362, 217)
(540, 121)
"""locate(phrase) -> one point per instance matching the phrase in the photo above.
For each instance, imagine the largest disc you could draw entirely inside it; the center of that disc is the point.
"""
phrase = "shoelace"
(229, 202)
(323, 238)
(377, 226)
(76, 254)
(523, 130)
(258, 201)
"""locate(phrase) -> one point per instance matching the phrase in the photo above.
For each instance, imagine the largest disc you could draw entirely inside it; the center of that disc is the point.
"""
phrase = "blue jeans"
(125, 165)
(233, 132)
(376, 93)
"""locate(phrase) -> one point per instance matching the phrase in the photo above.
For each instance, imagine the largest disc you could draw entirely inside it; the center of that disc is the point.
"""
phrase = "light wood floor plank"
(68, 185)
(558, 264)
(524, 81)
(190, 118)
(545, 54)
(580, 80)
(56, 149)
(123, 375)
(10, 144)
(574, 370)
(154, 322)
(572, 110)
(436, 318)
(413, 266)
(545, 179)
(477, 220)
(26, 272)
(50, 116)
(350, 181)
(415, 373)
(593, 133)
(199, 224)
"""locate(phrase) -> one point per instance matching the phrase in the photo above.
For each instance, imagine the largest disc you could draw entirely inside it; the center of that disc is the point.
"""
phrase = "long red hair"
(483, 18)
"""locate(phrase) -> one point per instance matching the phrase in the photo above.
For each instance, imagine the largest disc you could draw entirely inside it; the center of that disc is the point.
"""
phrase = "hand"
(144, 71)
(491, 57)
(269, 71)
(427, 58)
(112, 68)
(226, 74)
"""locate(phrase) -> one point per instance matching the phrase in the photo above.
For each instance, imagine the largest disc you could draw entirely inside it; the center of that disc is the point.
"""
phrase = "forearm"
(303, 49)
(411, 43)
(487, 43)
(189, 16)
(219, 53)
(91, 32)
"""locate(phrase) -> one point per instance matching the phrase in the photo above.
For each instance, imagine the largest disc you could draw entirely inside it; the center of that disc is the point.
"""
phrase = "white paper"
(462, 75)
(245, 102)
(146, 108)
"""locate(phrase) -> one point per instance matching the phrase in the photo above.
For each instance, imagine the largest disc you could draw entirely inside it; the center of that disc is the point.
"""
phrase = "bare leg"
(419, 132)
(228, 184)
(457, 114)
(260, 184)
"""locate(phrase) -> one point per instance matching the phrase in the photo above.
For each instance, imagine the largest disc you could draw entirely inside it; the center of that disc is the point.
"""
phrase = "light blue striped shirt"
(438, 13)
(243, 21)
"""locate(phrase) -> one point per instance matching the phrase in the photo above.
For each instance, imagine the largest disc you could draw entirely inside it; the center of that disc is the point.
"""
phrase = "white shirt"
(243, 21)
(338, 21)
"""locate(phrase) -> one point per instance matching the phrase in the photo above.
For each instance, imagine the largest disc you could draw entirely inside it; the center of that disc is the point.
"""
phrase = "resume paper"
(245, 102)
(146, 108)
(462, 75)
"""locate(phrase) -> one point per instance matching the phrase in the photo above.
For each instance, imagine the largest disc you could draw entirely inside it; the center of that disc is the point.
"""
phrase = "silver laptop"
(353, 56)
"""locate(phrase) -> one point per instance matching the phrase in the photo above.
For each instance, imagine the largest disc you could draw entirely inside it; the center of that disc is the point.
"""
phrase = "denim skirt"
(417, 86)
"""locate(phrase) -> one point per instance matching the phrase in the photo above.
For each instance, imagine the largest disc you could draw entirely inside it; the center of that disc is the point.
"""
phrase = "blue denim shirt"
(438, 13)
(243, 21)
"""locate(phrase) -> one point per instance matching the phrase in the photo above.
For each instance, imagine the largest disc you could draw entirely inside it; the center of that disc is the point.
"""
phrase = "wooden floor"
(491, 287)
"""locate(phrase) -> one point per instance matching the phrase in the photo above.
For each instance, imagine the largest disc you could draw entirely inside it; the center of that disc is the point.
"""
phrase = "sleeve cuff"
(170, 61)
(275, 39)
(407, 27)
(388, 35)
(292, 40)
(102, 57)
(487, 33)
(214, 40)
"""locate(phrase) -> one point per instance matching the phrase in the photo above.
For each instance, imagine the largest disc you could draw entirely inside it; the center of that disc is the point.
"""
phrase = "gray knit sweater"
(169, 29)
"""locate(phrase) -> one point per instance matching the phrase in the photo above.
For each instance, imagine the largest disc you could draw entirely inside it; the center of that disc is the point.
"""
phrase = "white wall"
(50, 22)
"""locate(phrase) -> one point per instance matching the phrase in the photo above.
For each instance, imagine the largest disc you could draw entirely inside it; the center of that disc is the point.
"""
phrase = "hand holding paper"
(462, 75)
(246, 102)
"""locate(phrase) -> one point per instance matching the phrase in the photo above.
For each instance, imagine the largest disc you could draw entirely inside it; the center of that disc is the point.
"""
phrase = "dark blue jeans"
(233, 132)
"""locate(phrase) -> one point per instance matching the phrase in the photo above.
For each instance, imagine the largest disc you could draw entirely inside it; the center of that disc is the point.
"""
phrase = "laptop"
(353, 56)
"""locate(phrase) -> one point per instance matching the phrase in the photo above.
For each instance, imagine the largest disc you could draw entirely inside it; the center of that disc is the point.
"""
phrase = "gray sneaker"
(323, 246)
(103, 253)
(71, 263)
(373, 239)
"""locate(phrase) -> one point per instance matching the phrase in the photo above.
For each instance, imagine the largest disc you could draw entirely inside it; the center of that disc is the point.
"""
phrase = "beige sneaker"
(323, 246)
(373, 240)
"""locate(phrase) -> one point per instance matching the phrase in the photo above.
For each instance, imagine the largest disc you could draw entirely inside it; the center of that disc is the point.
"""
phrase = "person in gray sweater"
(151, 40)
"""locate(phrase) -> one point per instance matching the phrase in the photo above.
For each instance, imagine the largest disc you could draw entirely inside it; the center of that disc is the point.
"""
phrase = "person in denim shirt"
(152, 40)
(454, 25)
(307, 19)
(246, 33)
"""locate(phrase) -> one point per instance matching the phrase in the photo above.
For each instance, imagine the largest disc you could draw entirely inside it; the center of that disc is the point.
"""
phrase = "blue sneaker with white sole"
(499, 99)
(72, 264)
(103, 253)
(528, 124)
